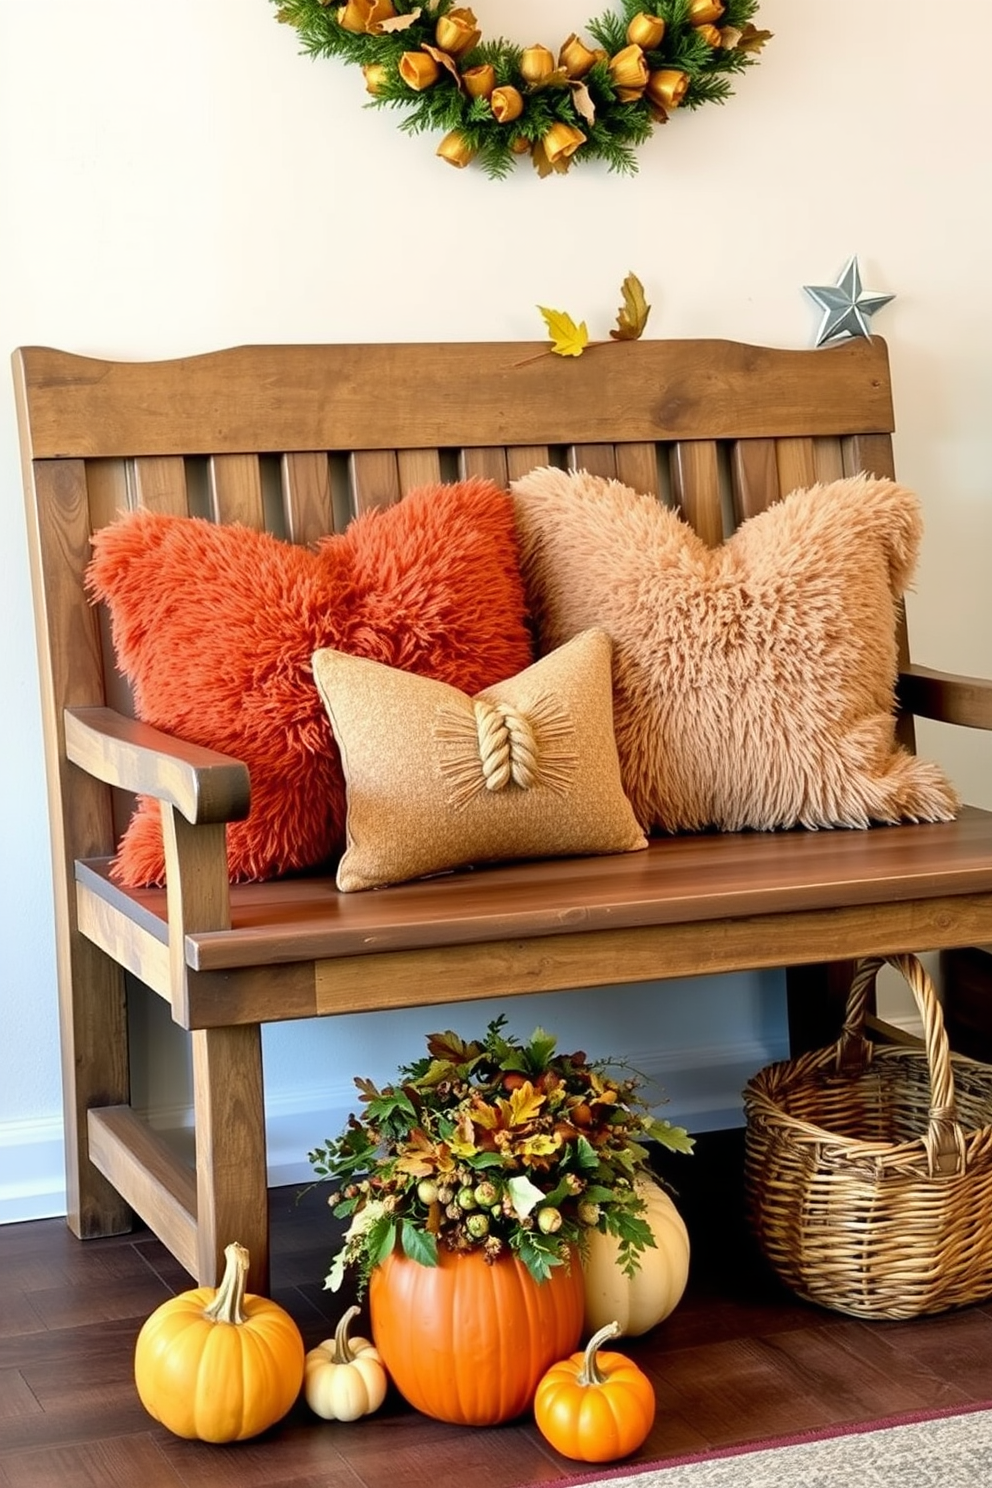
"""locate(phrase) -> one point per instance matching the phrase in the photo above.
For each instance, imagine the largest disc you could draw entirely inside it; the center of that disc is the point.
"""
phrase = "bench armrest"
(200, 783)
(948, 698)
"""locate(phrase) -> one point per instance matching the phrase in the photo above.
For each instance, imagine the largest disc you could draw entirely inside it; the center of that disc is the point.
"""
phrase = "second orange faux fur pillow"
(754, 682)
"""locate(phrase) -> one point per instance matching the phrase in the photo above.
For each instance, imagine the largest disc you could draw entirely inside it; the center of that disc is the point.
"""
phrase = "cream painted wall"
(178, 178)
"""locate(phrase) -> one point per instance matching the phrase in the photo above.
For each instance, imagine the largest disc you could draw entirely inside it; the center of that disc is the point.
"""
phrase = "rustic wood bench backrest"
(299, 439)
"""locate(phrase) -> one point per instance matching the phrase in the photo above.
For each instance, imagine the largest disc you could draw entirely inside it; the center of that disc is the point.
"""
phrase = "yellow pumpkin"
(640, 1301)
(219, 1364)
(343, 1377)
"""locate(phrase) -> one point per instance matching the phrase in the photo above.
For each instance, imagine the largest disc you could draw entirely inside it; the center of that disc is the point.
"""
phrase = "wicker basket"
(869, 1167)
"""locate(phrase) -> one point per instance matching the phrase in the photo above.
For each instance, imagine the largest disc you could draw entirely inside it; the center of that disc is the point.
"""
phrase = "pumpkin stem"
(343, 1353)
(590, 1373)
(230, 1295)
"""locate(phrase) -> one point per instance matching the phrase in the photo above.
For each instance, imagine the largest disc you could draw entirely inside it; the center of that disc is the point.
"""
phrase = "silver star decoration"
(848, 309)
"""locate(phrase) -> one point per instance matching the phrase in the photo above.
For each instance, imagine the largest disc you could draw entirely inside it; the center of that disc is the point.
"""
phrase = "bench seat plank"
(685, 879)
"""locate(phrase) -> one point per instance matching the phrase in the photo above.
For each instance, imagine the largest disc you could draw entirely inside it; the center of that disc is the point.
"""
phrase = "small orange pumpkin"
(595, 1407)
(219, 1365)
(467, 1340)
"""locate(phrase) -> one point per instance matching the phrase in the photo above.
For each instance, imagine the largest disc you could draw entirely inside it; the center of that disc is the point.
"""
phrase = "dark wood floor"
(738, 1361)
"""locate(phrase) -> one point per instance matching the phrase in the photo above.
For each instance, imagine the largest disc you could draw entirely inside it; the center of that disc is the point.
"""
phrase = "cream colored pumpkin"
(344, 1378)
(640, 1301)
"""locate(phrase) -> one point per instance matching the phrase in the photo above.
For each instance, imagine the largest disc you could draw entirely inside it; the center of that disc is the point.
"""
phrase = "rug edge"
(631, 1469)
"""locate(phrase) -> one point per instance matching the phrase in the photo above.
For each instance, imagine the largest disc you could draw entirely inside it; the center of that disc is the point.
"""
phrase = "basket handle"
(944, 1139)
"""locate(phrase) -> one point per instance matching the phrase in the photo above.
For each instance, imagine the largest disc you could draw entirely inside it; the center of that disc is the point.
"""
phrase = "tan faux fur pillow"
(435, 779)
(754, 682)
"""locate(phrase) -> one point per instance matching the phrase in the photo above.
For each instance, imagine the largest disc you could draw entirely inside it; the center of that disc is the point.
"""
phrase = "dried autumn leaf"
(582, 99)
(633, 314)
(444, 60)
(753, 40)
(400, 22)
(420, 1157)
(568, 338)
(450, 1049)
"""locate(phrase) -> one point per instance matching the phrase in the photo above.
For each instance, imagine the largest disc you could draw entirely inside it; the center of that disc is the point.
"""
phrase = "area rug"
(941, 1451)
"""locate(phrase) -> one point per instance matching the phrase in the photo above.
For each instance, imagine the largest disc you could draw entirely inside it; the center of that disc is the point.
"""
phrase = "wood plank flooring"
(738, 1361)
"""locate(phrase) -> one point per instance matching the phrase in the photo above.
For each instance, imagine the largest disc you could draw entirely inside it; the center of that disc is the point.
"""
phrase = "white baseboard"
(32, 1170)
(703, 1088)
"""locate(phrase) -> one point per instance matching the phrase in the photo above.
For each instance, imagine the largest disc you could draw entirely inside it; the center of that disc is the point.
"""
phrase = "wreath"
(497, 102)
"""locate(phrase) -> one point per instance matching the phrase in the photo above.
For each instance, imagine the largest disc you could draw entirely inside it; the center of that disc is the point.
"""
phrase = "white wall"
(177, 178)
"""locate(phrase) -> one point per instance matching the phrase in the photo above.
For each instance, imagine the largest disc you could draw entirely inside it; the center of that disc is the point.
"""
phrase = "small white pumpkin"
(344, 1378)
(640, 1301)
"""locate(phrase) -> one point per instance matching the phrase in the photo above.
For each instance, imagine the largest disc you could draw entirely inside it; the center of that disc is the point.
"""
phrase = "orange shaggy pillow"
(215, 626)
(754, 682)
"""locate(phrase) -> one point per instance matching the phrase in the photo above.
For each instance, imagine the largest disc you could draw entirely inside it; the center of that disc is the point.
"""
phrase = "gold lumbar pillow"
(437, 780)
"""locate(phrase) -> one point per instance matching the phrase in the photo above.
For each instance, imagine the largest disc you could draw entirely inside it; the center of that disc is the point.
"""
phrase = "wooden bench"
(719, 428)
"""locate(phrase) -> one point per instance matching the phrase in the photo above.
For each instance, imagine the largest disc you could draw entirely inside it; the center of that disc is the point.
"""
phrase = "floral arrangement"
(497, 1145)
(496, 101)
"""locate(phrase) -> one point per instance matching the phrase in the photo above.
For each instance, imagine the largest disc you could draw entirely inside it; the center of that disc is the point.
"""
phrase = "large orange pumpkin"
(467, 1340)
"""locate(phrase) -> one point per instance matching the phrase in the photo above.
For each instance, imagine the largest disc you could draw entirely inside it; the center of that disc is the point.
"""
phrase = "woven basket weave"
(869, 1167)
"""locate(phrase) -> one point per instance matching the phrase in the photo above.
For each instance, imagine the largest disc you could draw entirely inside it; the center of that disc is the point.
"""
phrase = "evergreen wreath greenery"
(496, 101)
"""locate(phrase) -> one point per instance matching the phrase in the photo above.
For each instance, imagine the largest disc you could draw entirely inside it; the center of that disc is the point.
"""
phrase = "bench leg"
(229, 1120)
(95, 1072)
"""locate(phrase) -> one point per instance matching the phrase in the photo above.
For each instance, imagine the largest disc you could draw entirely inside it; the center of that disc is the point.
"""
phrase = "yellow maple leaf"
(523, 1105)
(568, 338)
(633, 314)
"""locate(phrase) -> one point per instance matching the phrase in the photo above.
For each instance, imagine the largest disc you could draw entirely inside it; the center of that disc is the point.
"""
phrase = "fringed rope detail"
(495, 745)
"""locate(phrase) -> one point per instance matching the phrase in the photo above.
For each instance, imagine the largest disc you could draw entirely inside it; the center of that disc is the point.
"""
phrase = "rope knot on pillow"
(495, 744)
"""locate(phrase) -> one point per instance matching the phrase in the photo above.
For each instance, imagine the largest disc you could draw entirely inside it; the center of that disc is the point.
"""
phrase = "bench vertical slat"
(598, 459)
(753, 477)
(158, 484)
(871, 452)
(828, 458)
(235, 485)
(374, 479)
(418, 468)
(306, 496)
(637, 467)
(796, 459)
(111, 489)
(522, 458)
(486, 464)
(696, 487)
